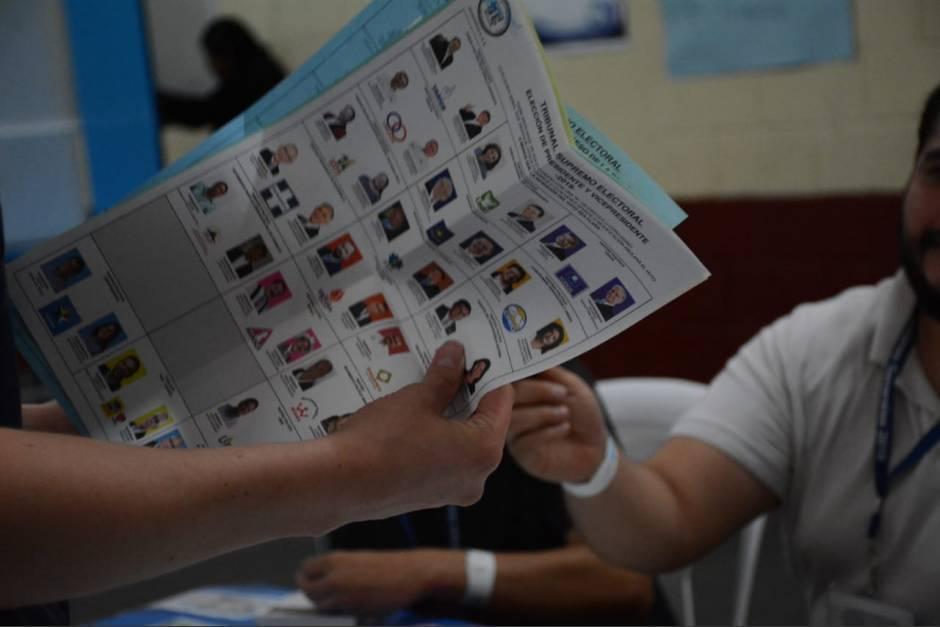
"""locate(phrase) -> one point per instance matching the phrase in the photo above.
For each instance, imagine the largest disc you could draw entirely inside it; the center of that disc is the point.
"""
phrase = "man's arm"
(79, 516)
(653, 517)
(191, 111)
(568, 585)
(667, 513)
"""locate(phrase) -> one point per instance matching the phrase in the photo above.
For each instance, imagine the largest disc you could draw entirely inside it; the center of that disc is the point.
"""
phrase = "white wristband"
(481, 577)
(602, 477)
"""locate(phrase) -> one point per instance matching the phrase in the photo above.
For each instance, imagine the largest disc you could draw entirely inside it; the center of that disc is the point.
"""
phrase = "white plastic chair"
(643, 411)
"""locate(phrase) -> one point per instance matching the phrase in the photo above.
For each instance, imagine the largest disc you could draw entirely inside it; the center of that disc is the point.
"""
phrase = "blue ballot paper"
(604, 154)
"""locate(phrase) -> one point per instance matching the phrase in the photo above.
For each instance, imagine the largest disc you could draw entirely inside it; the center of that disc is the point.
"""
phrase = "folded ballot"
(296, 272)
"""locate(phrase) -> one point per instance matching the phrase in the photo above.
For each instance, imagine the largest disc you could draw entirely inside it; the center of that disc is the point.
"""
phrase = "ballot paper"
(277, 285)
(378, 26)
(230, 605)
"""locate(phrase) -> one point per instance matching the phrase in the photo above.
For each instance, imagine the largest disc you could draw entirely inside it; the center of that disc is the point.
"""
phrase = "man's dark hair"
(499, 155)
(929, 119)
(483, 361)
(246, 61)
(515, 266)
(464, 302)
(227, 38)
(71, 267)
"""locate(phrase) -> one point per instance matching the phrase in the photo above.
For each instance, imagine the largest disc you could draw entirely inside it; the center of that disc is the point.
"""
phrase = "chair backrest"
(643, 412)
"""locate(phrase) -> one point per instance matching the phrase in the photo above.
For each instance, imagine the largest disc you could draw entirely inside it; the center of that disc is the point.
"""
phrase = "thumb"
(445, 375)
(494, 411)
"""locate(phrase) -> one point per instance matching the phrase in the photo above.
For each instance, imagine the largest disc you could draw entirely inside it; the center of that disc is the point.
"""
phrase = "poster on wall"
(582, 26)
(705, 38)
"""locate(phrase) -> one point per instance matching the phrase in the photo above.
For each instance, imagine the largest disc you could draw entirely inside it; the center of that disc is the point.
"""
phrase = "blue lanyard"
(453, 528)
(884, 476)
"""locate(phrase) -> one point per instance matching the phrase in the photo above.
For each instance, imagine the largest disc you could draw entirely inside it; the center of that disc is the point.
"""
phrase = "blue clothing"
(10, 417)
(372, 192)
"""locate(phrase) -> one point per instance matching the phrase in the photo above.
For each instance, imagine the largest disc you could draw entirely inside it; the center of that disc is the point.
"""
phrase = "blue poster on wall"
(705, 38)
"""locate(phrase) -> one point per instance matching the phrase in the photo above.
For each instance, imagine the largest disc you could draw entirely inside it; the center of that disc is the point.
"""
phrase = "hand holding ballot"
(410, 457)
(395, 455)
(557, 431)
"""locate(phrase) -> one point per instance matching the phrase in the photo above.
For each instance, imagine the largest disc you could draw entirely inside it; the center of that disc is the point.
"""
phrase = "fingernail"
(449, 355)
(560, 410)
(558, 391)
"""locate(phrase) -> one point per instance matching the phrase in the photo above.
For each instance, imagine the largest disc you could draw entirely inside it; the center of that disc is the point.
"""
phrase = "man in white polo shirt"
(832, 412)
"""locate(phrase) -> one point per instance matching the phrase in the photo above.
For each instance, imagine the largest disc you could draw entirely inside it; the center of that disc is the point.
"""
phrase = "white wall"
(830, 128)
(841, 127)
(175, 27)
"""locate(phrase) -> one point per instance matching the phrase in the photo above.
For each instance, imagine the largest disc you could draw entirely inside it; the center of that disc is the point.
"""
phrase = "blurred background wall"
(76, 101)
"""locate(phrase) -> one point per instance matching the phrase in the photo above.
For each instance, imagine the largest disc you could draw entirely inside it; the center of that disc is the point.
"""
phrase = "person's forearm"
(79, 516)
(566, 586)
(636, 522)
(185, 110)
(667, 512)
(560, 586)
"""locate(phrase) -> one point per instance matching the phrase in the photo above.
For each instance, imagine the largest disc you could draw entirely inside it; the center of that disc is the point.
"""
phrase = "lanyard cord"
(453, 528)
(885, 476)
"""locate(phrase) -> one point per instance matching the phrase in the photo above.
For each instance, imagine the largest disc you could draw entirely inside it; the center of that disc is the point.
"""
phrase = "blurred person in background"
(245, 71)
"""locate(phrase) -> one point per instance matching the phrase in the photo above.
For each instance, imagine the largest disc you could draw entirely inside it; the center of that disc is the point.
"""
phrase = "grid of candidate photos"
(391, 212)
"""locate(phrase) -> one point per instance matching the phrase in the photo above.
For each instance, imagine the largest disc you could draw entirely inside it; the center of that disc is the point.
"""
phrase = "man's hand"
(378, 582)
(409, 456)
(557, 432)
